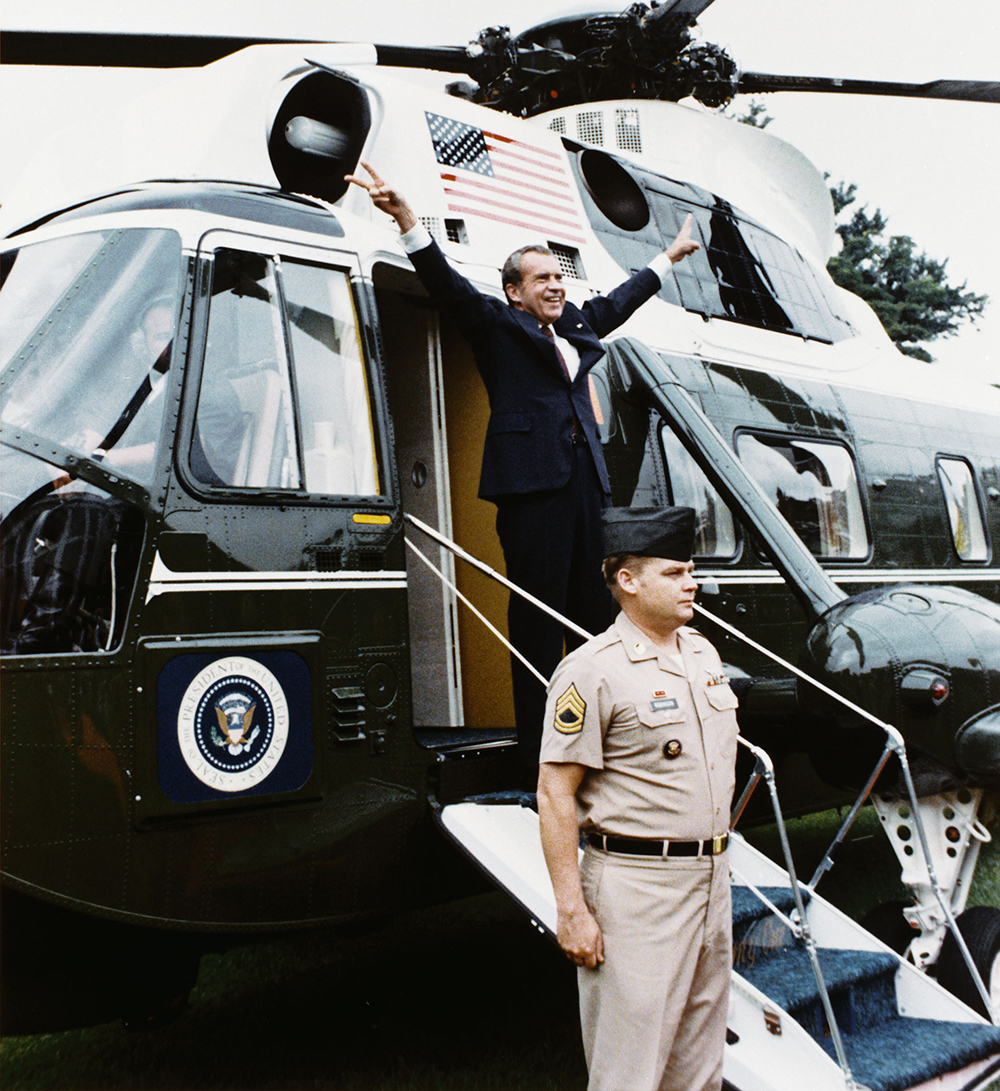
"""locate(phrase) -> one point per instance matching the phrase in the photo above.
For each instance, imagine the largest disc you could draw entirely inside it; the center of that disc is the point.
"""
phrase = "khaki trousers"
(653, 1014)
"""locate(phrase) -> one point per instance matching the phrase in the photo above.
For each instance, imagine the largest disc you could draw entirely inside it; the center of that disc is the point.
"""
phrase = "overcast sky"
(932, 167)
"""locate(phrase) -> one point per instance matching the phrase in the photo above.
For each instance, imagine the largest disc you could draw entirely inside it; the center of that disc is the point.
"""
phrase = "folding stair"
(886, 1051)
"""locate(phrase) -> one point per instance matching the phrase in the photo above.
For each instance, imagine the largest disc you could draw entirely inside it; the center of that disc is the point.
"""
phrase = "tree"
(756, 115)
(906, 289)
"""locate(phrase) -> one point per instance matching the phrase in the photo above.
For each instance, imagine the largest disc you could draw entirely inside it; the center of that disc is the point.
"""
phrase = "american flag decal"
(505, 180)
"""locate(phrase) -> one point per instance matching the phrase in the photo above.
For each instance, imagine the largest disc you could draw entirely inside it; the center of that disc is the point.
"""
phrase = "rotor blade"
(86, 48)
(683, 12)
(961, 90)
(442, 58)
(187, 50)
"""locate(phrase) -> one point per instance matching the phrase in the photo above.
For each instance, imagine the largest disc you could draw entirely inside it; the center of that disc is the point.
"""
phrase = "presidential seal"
(232, 725)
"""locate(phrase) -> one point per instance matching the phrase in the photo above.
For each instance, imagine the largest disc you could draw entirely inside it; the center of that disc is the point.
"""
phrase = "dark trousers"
(553, 549)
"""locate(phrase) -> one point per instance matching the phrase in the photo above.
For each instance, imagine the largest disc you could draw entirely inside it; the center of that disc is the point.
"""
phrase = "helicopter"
(236, 700)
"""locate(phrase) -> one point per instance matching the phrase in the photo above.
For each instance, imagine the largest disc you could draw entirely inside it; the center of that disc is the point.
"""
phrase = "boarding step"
(470, 762)
(748, 909)
(901, 1053)
(886, 1051)
(459, 742)
(861, 985)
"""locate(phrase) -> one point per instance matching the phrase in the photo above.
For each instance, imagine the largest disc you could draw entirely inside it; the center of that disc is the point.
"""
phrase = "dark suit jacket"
(529, 445)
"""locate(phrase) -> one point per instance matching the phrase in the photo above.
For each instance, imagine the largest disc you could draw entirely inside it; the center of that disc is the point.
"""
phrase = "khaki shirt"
(658, 743)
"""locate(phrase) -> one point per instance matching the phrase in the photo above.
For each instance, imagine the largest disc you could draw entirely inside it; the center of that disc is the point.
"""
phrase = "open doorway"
(460, 671)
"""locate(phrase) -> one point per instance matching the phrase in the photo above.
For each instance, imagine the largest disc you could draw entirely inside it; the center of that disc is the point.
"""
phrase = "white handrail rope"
(489, 625)
(733, 631)
(493, 574)
(896, 743)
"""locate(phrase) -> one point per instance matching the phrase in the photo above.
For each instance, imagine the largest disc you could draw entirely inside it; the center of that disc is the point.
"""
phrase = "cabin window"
(965, 515)
(715, 534)
(284, 400)
(814, 485)
(86, 330)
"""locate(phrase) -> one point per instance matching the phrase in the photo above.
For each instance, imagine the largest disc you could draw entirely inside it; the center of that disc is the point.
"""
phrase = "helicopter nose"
(977, 746)
(925, 659)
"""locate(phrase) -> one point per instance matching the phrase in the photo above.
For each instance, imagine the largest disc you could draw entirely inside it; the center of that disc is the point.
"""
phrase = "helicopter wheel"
(887, 923)
(980, 928)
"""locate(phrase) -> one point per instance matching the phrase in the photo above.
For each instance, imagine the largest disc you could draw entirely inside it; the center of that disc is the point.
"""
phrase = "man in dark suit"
(543, 465)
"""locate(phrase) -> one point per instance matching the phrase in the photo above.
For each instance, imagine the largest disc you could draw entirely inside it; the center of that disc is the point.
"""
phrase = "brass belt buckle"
(718, 844)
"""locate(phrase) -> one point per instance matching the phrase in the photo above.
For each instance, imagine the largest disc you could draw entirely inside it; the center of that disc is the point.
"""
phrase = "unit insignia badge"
(232, 725)
(673, 748)
(570, 709)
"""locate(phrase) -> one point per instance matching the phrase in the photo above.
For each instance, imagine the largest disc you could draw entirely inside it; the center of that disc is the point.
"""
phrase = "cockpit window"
(745, 273)
(814, 485)
(284, 401)
(86, 330)
(964, 513)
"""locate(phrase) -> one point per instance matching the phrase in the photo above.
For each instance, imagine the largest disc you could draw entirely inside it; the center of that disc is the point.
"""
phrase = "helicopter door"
(280, 556)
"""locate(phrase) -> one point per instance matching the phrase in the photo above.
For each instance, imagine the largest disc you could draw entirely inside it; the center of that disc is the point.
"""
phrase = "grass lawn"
(462, 997)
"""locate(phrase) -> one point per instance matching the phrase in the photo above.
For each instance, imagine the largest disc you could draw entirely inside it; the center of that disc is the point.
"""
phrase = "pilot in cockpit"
(143, 384)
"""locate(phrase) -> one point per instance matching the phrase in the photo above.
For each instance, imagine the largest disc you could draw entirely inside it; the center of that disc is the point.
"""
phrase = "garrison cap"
(649, 532)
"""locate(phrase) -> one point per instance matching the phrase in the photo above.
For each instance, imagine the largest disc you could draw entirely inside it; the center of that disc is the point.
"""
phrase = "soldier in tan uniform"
(639, 752)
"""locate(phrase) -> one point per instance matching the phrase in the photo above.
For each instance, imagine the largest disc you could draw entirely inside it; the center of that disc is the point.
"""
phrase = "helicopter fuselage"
(230, 689)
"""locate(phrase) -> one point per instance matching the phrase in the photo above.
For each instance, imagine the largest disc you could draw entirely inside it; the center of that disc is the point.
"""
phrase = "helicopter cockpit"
(277, 404)
(88, 335)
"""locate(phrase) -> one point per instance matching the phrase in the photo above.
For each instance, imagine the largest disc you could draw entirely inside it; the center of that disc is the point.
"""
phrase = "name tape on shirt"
(663, 704)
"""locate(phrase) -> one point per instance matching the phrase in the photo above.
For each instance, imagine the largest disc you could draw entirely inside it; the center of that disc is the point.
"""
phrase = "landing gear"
(955, 831)
(980, 928)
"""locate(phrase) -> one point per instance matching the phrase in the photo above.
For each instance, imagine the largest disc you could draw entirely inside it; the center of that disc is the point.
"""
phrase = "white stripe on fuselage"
(753, 576)
(164, 580)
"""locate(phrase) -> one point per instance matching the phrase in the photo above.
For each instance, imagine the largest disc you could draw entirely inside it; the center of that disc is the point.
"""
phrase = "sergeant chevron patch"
(570, 709)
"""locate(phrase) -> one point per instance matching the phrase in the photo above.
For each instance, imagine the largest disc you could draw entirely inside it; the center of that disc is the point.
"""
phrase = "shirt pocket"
(667, 734)
(659, 717)
(722, 698)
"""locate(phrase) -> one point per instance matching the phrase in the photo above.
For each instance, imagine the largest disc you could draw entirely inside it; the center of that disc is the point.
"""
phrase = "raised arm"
(578, 932)
(385, 198)
(607, 312)
(474, 312)
(684, 244)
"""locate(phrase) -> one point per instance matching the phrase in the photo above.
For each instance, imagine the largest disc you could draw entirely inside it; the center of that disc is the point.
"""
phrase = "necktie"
(547, 330)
